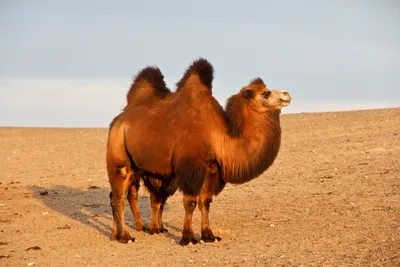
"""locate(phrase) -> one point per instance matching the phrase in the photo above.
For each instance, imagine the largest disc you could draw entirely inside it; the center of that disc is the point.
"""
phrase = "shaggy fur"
(203, 69)
(148, 83)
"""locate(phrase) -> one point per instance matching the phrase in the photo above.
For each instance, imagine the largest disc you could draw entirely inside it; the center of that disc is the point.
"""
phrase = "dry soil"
(331, 198)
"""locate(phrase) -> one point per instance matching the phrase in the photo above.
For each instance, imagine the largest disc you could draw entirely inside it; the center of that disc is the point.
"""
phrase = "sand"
(331, 198)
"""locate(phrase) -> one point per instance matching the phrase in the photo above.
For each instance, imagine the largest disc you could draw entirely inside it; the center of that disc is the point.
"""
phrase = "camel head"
(262, 99)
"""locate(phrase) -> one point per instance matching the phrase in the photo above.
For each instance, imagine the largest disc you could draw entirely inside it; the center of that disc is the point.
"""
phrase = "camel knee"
(116, 200)
(118, 174)
(189, 205)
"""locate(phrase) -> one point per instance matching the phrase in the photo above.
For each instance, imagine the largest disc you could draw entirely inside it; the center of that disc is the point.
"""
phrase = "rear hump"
(149, 82)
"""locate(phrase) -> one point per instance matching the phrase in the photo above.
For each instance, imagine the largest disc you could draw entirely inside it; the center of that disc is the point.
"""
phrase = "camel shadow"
(89, 206)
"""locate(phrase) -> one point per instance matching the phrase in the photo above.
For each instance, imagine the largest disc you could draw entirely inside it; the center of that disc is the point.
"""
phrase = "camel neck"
(245, 156)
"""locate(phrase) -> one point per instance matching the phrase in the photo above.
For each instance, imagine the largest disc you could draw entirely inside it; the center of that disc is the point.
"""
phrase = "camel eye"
(266, 94)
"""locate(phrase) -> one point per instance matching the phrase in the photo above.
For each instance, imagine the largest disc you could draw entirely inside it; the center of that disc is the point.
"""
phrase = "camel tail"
(203, 69)
(147, 84)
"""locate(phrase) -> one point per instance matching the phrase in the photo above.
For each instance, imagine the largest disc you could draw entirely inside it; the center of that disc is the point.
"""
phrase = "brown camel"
(186, 140)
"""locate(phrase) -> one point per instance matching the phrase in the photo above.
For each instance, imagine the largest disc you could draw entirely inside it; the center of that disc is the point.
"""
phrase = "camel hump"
(203, 69)
(148, 82)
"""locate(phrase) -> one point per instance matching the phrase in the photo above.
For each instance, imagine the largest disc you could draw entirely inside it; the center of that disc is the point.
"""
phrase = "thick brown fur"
(187, 140)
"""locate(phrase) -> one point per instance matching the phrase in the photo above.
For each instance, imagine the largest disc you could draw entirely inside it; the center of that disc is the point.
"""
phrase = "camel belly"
(150, 152)
(153, 162)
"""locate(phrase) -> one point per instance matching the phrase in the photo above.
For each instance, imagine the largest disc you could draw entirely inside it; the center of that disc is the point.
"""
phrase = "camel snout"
(285, 97)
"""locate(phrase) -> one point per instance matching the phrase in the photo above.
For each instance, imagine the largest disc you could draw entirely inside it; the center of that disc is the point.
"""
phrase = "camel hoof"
(125, 238)
(142, 228)
(208, 236)
(163, 230)
(186, 240)
(157, 230)
(153, 231)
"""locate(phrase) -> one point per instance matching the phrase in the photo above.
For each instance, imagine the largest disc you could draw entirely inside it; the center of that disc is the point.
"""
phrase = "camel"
(186, 140)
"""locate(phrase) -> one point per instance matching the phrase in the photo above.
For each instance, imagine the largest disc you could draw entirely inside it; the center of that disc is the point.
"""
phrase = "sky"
(70, 63)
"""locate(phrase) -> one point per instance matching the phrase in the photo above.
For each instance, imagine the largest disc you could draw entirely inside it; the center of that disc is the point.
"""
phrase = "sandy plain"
(332, 198)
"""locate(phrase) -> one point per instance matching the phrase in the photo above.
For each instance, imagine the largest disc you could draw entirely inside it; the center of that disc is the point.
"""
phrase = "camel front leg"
(213, 185)
(204, 206)
(189, 203)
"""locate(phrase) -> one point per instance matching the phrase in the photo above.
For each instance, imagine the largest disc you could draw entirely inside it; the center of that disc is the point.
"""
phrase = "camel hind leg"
(120, 174)
(120, 180)
(154, 226)
(160, 188)
(133, 194)
(169, 188)
(160, 215)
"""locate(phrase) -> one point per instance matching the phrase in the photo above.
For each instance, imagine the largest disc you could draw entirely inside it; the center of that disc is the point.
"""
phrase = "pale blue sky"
(70, 63)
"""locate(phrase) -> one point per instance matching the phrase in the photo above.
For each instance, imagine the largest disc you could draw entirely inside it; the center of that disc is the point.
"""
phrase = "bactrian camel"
(186, 140)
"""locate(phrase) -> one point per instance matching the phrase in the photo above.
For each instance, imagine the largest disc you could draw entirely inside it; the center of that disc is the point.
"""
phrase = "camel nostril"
(285, 97)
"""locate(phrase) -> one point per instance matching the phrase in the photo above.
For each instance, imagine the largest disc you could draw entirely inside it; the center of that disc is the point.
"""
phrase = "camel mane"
(203, 69)
(147, 80)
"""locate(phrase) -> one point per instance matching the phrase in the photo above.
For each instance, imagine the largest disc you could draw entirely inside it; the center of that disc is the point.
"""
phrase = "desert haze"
(331, 198)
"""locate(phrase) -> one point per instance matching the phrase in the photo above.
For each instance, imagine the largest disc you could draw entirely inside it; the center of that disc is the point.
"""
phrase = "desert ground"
(332, 198)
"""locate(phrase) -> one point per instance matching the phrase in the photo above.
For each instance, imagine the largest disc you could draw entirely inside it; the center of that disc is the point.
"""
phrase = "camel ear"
(247, 93)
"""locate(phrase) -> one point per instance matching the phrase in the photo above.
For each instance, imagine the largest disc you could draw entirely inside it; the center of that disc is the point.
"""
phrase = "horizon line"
(284, 114)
